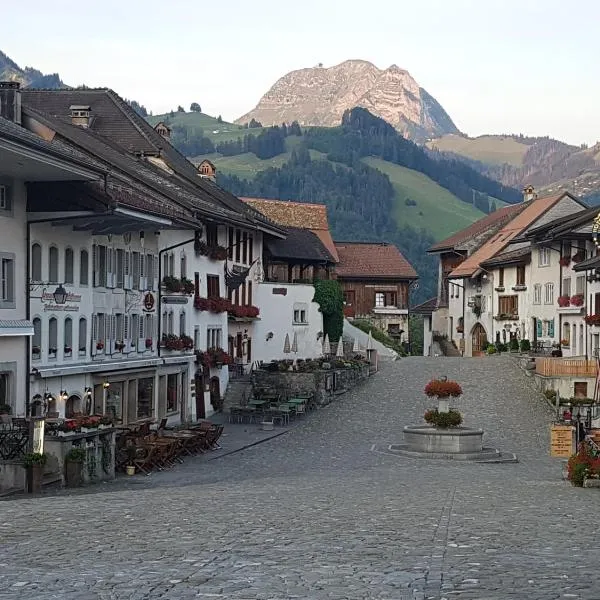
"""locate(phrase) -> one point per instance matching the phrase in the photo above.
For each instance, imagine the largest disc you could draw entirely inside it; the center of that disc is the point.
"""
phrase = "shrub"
(525, 345)
(583, 464)
(514, 345)
(443, 420)
(443, 389)
(501, 347)
(75, 455)
(550, 395)
(491, 349)
(34, 458)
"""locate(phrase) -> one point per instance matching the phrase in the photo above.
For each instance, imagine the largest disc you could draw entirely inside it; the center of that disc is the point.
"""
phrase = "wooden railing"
(565, 367)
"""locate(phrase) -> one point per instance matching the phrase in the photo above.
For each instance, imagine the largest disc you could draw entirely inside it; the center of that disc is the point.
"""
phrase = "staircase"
(448, 348)
(238, 389)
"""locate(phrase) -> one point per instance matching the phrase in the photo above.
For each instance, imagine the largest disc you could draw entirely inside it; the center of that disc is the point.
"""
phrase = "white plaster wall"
(276, 316)
(13, 350)
(427, 334)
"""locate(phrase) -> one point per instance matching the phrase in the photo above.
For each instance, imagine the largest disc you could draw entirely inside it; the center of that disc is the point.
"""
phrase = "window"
(501, 277)
(53, 264)
(169, 322)
(213, 337)
(380, 299)
(383, 299)
(149, 326)
(580, 284)
(150, 271)
(52, 337)
(172, 392)
(250, 249)
(5, 198)
(245, 248)
(5, 388)
(120, 268)
(566, 336)
(182, 323)
(566, 286)
(196, 337)
(36, 262)
(537, 293)
(549, 293)
(172, 264)
(69, 266)
(544, 257)
(212, 236)
(82, 341)
(521, 275)
(135, 328)
(213, 286)
(100, 266)
(508, 305)
(183, 266)
(580, 389)
(136, 271)
(36, 342)
(238, 243)
(68, 335)
(145, 397)
(300, 316)
(7, 281)
(83, 267)
(119, 334)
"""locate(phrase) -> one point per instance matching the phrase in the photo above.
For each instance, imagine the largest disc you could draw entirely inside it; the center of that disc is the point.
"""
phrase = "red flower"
(442, 389)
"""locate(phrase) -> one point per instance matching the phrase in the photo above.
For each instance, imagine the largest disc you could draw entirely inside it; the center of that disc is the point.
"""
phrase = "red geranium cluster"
(244, 311)
(443, 388)
(213, 357)
(215, 305)
(585, 463)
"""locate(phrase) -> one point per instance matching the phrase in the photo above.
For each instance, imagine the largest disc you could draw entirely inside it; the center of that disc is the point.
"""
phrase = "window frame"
(7, 280)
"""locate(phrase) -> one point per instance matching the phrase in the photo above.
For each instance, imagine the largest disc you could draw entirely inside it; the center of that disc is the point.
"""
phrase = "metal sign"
(175, 299)
(149, 302)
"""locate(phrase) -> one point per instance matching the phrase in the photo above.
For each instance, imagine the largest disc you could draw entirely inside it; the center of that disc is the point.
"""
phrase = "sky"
(496, 66)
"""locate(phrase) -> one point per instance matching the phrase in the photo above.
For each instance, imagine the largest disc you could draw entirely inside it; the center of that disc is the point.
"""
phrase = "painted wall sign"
(47, 297)
(280, 291)
(175, 299)
(61, 307)
(149, 302)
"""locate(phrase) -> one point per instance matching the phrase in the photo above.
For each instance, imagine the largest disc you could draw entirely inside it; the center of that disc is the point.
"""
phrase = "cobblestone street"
(317, 514)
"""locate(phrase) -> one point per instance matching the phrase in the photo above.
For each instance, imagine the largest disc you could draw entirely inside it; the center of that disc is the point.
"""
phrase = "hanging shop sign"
(149, 302)
(175, 299)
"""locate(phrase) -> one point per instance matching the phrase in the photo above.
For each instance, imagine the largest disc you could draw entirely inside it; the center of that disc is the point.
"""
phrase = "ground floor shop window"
(114, 401)
(145, 395)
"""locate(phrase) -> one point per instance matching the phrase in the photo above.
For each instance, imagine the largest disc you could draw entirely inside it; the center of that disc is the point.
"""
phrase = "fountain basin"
(455, 440)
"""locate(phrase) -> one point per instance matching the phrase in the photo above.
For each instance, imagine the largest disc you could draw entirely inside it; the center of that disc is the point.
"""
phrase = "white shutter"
(127, 270)
(126, 339)
(142, 339)
(110, 268)
(142, 271)
(156, 282)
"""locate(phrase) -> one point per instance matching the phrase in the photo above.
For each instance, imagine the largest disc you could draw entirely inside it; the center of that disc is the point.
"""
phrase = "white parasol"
(326, 346)
(286, 344)
(340, 349)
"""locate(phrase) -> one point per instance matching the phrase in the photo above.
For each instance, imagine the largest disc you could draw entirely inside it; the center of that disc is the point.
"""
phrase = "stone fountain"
(444, 436)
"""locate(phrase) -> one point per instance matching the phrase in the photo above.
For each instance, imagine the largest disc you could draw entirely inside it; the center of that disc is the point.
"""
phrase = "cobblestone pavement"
(315, 514)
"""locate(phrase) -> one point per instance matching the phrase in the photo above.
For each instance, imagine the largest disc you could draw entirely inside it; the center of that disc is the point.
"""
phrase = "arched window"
(68, 348)
(36, 262)
(82, 341)
(53, 264)
(83, 268)
(52, 337)
(69, 266)
(36, 342)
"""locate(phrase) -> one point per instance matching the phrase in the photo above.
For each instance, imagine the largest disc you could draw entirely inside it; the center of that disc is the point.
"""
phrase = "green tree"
(219, 119)
(329, 297)
(195, 107)
(180, 109)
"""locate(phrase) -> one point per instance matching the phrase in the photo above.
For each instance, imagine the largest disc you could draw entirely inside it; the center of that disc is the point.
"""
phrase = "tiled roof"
(426, 308)
(530, 212)
(297, 214)
(301, 244)
(486, 225)
(564, 226)
(520, 255)
(372, 261)
(114, 119)
(588, 264)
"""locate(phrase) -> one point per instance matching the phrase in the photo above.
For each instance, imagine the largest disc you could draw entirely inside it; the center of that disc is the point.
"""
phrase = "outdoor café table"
(296, 401)
(256, 402)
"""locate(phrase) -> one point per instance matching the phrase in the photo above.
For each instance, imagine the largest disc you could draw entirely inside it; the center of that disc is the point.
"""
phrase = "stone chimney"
(10, 101)
(80, 115)
(529, 193)
(163, 130)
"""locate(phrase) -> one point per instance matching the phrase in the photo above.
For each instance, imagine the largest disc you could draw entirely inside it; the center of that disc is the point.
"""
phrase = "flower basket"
(443, 420)
(564, 301)
(149, 343)
(200, 248)
(592, 319)
(443, 388)
(577, 300)
(579, 256)
(565, 261)
(99, 345)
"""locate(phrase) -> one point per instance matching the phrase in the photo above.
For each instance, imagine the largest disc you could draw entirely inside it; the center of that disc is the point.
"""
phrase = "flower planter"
(130, 470)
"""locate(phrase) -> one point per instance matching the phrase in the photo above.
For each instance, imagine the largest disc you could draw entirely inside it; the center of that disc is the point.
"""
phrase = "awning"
(16, 328)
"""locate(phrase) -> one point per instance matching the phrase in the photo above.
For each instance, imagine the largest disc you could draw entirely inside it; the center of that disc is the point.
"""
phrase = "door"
(239, 349)
(350, 303)
(215, 393)
(249, 350)
(199, 387)
(478, 340)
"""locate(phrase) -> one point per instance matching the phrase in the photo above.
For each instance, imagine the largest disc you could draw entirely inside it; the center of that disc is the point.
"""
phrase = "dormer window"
(80, 115)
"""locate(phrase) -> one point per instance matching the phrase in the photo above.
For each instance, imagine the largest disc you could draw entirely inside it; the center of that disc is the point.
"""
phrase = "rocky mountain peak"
(320, 95)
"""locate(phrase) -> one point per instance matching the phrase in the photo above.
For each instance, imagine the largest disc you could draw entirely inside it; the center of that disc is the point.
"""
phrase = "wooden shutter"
(550, 328)
(539, 329)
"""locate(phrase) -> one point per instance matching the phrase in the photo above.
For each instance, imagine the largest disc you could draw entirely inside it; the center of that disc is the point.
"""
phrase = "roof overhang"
(16, 328)
(376, 278)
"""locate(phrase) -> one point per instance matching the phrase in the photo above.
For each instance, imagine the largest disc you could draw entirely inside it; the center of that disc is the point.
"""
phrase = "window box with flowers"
(214, 305)
(51, 352)
(577, 300)
(244, 312)
(36, 351)
(100, 346)
(174, 342)
(213, 252)
(119, 346)
(564, 301)
(67, 350)
(213, 358)
(178, 286)
(565, 261)
(593, 320)
(579, 256)
(443, 416)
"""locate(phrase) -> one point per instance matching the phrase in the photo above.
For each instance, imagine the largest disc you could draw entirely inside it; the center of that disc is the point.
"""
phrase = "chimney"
(10, 101)
(529, 194)
(80, 115)
(163, 131)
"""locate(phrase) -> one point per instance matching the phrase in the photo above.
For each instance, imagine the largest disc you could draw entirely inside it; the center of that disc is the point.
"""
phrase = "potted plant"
(171, 284)
(442, 389)
(564, 301)
(34, 463)
(131, 454)
(74, 460)
(67, 349)
(187, 286)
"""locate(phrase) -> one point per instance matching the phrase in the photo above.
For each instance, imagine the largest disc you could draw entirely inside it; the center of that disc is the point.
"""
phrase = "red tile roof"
(426, 308)
(529, 214)
(487, 224)
(303, 215)
(372, 261)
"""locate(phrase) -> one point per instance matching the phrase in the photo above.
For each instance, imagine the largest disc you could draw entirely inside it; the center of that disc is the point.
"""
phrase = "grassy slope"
(438, 210)
(490, 149)
(217, 132)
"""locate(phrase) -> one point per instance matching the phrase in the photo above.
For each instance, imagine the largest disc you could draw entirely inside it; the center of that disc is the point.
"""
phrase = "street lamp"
(60, 294)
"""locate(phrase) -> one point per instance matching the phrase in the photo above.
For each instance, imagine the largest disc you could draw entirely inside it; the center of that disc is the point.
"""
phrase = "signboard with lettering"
(68, 306)
(175, 299)
(281, 291)
(562, 441)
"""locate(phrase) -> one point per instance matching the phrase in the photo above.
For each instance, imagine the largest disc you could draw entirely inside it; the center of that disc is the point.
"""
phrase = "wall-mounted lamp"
(106, 385)
(63, 395)
(60, 294)
(142, 239)
(269, 336)
(88, 392)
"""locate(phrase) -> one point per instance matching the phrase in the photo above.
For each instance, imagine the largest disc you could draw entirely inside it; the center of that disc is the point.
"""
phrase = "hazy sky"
(496, 66)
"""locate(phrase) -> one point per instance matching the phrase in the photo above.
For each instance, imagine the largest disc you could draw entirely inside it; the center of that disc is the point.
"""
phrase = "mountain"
(319, 96)
(28, 77)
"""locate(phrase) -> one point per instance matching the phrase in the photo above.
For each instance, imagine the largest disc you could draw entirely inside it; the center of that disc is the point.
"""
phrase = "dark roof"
(426, 308)
(169, 196)
(114, 119)
(372, 260)
(484, 228)
(299, 244)
(562, 227)
(588, 264)
(16, 133)
(513, 257)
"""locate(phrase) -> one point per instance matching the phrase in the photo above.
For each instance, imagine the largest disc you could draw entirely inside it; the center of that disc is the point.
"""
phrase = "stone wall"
(324, 384)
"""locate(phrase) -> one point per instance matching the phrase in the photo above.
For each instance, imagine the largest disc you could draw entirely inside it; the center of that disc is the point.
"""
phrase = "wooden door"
(199, 386)
(478, 340)
(350, 306)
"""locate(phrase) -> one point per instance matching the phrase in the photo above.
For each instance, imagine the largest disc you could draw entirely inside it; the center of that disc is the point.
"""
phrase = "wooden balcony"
(565, 367)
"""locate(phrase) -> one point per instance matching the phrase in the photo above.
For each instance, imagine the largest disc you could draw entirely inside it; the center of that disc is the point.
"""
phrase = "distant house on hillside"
(207, 169)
